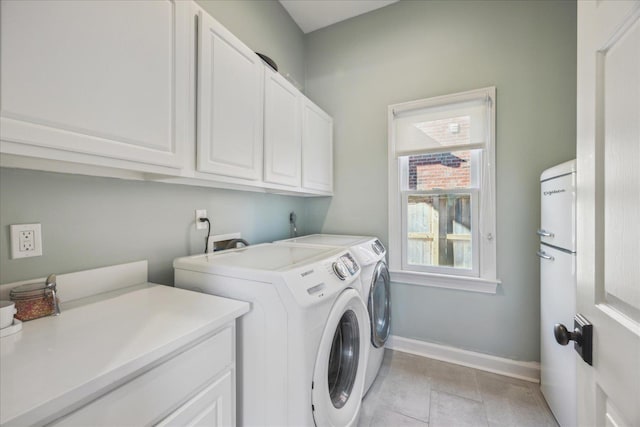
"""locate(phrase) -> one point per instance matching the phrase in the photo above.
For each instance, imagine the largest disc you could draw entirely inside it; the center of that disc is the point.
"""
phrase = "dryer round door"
(339, 374)
(379, 305)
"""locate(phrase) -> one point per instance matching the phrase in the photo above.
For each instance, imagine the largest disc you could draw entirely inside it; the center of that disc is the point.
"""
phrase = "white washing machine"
(370, 254)
(303, 346)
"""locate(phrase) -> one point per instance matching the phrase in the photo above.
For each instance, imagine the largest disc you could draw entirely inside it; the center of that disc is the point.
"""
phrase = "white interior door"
(608, 189)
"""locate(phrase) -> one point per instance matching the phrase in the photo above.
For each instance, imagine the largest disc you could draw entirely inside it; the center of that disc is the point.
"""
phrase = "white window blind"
(414, 125)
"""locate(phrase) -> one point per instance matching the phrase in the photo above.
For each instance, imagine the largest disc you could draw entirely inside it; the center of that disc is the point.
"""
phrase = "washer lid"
(328, 240)
(265, 257)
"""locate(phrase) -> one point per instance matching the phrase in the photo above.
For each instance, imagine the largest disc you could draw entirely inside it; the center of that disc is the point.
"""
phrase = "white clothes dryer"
(370, 254)
(302, 348)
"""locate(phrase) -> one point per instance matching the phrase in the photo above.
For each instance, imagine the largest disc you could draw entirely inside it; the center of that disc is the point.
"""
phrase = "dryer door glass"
(343, 359)
(379, 305)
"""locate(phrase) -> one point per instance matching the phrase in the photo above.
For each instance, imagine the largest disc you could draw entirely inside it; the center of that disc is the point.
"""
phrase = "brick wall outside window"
(442, 170)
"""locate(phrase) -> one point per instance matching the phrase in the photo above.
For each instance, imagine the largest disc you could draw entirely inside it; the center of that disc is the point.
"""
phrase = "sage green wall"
(90, 222)
(266, 27)
(354, 69)
(417, 49)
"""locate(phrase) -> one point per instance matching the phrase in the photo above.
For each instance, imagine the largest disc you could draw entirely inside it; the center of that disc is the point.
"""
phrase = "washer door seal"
(343, 359)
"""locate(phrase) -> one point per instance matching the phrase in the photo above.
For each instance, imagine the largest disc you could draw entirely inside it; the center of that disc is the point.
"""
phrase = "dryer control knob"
(340, 270)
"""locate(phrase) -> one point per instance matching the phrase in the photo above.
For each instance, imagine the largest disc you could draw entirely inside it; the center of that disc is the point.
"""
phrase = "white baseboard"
(528, 371)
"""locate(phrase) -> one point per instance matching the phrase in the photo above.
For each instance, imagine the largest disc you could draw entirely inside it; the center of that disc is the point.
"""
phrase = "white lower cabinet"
(195, 387)
(211, 407)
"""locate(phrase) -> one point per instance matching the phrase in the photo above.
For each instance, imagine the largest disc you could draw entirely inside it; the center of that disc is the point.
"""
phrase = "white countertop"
(96, 343)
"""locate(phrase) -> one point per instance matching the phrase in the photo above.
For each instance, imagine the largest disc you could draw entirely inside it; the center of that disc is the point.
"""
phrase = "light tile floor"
(416, 391)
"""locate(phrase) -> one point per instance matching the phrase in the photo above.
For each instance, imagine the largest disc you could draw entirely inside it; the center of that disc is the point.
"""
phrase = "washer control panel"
(318, 281)
(377, 247)
(340, 269)
(345, 266)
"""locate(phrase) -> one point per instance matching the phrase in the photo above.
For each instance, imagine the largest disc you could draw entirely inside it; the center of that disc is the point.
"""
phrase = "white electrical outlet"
(201, 213)
(26, 240)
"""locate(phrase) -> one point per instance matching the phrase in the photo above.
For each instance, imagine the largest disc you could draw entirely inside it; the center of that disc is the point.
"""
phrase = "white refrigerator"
(557, 255)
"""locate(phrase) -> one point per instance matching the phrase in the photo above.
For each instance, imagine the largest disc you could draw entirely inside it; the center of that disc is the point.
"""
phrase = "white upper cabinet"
(317, 148)
(282, 131)
(156, 90)
(95, 81)
(230, 104)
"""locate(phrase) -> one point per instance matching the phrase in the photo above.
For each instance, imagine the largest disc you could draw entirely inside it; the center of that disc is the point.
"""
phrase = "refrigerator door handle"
(544, 233)
(543, 255)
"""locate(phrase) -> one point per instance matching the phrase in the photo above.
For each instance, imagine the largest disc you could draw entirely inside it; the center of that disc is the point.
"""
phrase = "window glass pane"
(439, 230)
(445, 171)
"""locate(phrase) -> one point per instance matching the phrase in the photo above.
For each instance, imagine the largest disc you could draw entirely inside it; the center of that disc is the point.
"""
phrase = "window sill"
(471, 284)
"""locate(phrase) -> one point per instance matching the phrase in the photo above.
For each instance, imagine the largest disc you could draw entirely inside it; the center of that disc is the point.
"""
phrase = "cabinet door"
(149, 396)
(282, 131)
(99, 78)
(230, 95)
(317, 148)
(213, 406)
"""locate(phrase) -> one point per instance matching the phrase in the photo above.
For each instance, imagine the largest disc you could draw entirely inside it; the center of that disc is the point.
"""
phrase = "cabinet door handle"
(544, 233)
(543, 255)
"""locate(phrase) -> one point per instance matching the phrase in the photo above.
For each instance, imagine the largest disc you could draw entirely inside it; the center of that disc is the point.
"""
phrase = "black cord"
(206, 241)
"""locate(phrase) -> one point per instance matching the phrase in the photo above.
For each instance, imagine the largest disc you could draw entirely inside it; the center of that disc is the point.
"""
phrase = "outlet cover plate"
(27, 237)
(201, 213)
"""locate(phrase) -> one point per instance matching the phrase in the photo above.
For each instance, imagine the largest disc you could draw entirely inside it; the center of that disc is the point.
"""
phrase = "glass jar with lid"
(34, 300)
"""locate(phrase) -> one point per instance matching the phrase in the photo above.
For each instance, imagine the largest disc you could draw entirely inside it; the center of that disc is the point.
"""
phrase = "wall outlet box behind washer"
(220, 241)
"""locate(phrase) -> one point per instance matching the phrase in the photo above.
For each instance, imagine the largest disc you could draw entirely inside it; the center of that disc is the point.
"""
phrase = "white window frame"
(483, 276)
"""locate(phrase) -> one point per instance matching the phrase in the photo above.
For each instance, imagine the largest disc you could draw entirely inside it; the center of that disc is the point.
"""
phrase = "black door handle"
(582, 335)
(563, 336)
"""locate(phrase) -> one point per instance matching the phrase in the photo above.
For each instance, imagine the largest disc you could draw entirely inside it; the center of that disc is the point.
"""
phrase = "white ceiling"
(311, 15)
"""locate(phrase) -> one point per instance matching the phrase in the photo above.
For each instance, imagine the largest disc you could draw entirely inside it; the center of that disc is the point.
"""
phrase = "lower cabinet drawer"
(150, 397)
(211, 407)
